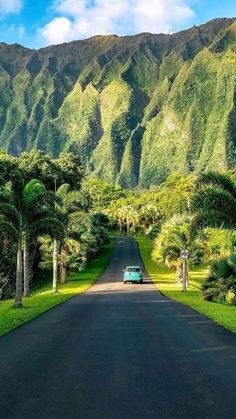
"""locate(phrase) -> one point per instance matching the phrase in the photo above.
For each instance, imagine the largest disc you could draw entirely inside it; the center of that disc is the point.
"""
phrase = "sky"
(38, 23)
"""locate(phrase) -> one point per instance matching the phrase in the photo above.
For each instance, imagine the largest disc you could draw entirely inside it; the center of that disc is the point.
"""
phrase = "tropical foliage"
(41, 201)
(221, 282)
(214, 206)
(177, 235)
(215, 200)
(54, 218)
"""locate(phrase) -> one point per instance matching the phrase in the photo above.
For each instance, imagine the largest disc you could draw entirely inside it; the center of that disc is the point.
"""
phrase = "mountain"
(135, 108)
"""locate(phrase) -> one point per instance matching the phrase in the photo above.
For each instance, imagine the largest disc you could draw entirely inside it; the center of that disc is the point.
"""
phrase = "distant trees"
(133, 213)
(146, 210)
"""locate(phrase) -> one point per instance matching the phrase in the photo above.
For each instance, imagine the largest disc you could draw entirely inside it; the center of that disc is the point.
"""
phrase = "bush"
(221, 282)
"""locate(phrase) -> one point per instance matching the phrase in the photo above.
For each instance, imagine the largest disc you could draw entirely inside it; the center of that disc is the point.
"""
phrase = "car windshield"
(132, 269)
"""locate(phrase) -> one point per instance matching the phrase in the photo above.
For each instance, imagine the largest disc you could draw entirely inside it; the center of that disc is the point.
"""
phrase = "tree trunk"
(18, 299)
(55, 266)
(26, 267)
(184, 275)
(127, 224)
(63, 274)
(187, 275)
(32, 244)
(179, 274)
(63, 266)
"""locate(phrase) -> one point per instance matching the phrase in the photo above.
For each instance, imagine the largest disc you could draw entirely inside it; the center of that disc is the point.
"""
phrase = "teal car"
(133, 274)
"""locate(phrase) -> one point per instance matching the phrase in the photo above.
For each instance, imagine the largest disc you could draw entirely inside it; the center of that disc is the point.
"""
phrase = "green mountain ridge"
(135, 108)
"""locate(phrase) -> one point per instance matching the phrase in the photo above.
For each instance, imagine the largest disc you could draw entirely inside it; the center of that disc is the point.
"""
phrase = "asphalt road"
(118, 351)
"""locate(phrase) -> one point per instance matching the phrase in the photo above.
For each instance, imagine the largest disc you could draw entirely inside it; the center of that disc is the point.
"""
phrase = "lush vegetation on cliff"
(135, 109)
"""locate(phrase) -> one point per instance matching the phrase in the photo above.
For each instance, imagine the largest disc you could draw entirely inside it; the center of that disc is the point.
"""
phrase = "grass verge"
(43, 299)
(164, 279)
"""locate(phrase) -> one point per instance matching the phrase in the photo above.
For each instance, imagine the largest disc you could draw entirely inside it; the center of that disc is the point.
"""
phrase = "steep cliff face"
(135, 108)
(195, 129)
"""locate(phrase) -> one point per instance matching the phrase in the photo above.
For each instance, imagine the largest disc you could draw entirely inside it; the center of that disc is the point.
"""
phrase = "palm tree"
(39, 219)
(214, 202)
(171, 256)
(176, 235)
(8, 229)
(150, 214)
(221, 280)
(115, 214)
(25, 213)
(11, 223)
(68, 205)
(129, 216)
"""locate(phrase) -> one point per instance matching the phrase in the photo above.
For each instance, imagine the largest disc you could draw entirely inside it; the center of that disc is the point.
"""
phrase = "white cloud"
(14, 30)
(161, 15)
(10, 6)
(83, 18)
(58, 30)
(21, 31)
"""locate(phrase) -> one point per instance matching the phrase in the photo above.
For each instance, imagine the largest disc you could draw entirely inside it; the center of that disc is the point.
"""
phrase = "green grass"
(164, 279)
(43, 299)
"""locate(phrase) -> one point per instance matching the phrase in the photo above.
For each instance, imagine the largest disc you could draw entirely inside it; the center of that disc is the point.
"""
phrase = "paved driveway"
(118, 352)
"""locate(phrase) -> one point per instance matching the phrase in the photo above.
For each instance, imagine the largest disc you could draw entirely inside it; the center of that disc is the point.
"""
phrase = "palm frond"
(10, 213)
(33, 193)
(5, 195)
(211, 218)
(50, 226)
(219, 180)
(171, 252)
(215, 199)
(7, 228)
(221, 279)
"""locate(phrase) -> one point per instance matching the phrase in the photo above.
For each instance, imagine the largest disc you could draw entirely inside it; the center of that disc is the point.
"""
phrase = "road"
(118, 352)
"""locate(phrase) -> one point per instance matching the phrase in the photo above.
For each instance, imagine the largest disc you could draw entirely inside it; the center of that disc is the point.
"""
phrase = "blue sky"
(37, 23)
